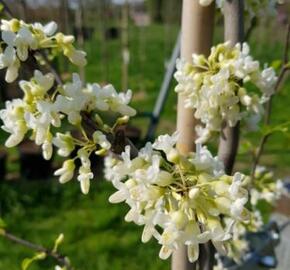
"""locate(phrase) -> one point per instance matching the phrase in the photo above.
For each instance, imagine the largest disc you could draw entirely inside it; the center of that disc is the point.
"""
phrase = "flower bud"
(193, 193)
(164, 179)
(179, 218)
(173, 156)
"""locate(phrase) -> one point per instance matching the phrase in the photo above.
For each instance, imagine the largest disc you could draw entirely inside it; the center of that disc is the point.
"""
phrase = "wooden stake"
(125, 45)
(79, 23)
(196, 37)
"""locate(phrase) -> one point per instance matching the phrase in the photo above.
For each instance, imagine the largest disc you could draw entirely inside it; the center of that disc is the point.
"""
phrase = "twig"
(253, 24)
(7, 9)
(118, 140)
(285, 68)
(51, 68)
(58, 257)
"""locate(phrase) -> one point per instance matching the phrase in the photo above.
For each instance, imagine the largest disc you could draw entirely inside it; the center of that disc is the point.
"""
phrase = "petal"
(22, 51)
(220, 247)
(118, 196)
(50, 28)
(165, 252)
(85, 185)
(193, 252)
(8, 37)
(11, 73)
(147, 233)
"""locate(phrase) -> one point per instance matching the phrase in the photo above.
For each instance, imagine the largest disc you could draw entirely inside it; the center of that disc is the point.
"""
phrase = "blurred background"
(129, 44)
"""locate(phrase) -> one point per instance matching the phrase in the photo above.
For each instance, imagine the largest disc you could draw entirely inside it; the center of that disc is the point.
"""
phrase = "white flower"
(23, 42)
(77, 57)
(100, 139)
(13, 121)
(49, 29)
(47, 149)
(9, 60)
(85, 173)
(166, 144)
(64, 143)
(205, 2)
(84, 177)
(212, 87)
(66, 173)
(179, 203)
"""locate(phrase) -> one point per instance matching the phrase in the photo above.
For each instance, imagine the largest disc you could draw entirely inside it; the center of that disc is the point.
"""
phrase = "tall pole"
(234, 33)
(196, 37)
(125, 45)
(79, 22)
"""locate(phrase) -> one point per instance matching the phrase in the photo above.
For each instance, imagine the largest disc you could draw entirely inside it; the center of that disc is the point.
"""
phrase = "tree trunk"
(234, 33)
(196, 37)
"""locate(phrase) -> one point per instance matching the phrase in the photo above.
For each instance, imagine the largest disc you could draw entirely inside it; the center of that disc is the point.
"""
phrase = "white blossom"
(181, 202)
(212, 87)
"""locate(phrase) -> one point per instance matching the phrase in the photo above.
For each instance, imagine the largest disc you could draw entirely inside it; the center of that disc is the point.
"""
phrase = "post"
(79, 23)
(234, 33)
(196, 37)
(125, 45)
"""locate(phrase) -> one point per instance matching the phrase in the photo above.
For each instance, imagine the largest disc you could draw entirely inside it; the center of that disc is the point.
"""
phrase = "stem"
(6, 9)
(118, 139)
(51, 68)
(267, 120)
(58, 257)
(196, 37)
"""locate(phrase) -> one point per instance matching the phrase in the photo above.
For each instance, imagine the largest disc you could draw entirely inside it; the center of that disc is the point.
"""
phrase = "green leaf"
(283, 128)
(58, 242)
(276, 64)
(28, 261)
(2, 223)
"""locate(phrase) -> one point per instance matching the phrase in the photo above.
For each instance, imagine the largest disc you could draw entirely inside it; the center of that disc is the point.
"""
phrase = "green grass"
(96, 236)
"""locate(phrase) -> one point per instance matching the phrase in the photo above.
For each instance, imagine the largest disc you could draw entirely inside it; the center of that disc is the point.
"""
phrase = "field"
(96, 235)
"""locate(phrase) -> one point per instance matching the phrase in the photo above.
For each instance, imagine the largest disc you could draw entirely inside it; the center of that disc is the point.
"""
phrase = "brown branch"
(61, 259)
(118, 139)
(285, 68)
(234, 33)
(51, 68)
(118, 144)
(253, 25)
(6, 9)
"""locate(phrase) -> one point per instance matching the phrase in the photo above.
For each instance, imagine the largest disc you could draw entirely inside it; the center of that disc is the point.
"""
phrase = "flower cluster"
(266, 187)
(180, 200)
(217, 87)
(44, 109)
(263, 188)
(252, 7)
(20, 38)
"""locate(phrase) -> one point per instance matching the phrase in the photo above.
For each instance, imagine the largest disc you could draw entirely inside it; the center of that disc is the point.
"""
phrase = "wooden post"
(234, 33)
(125, 45)
(79, 18)
(196, 37)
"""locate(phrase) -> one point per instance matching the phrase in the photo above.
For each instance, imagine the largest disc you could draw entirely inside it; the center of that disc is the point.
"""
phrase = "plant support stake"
(196, 37)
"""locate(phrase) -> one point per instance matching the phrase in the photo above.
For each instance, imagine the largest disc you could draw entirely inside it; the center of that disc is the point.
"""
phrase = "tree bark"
(196, 37)
(234, 33)
(229, 138)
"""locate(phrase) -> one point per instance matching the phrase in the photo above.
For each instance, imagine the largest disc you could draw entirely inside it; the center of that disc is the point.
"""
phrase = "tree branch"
(61, 259)
(285, 68)
(234, 33)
